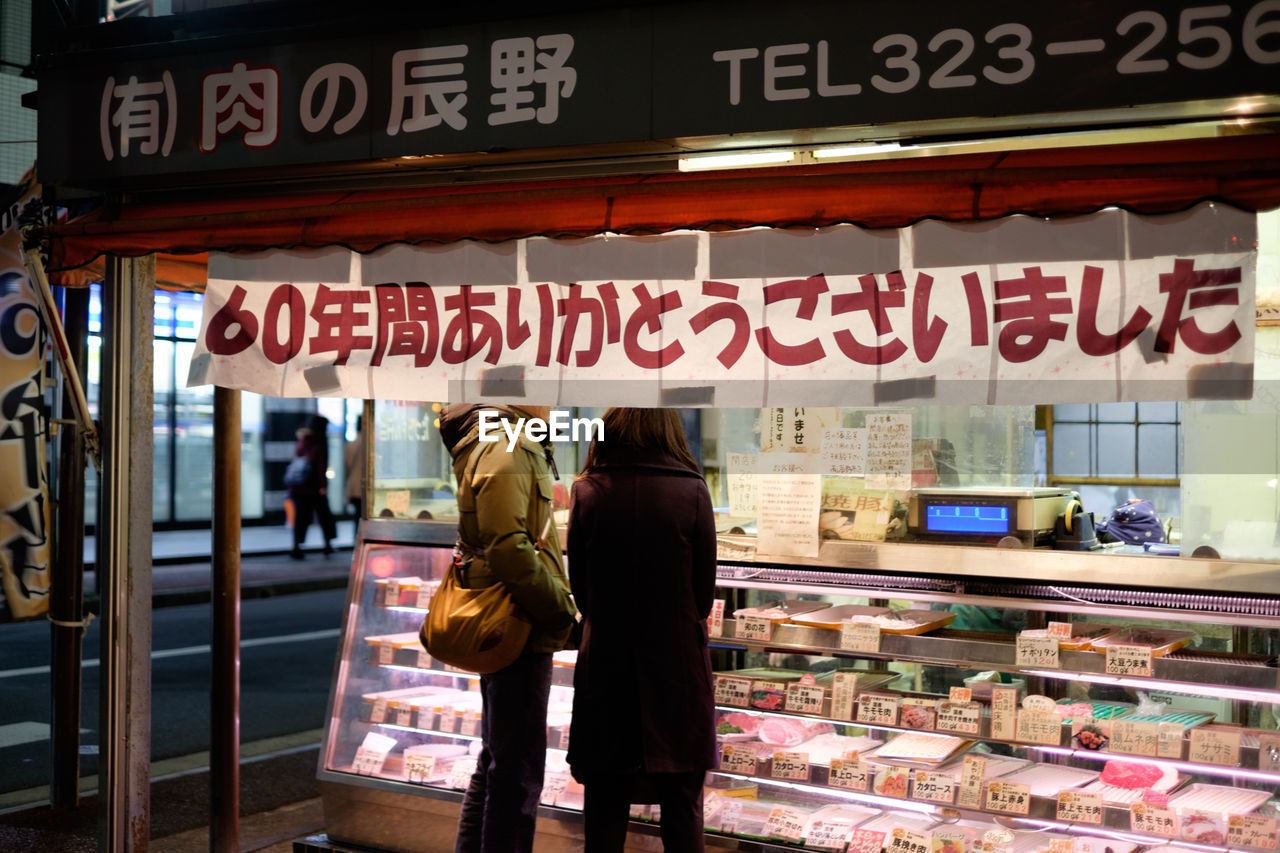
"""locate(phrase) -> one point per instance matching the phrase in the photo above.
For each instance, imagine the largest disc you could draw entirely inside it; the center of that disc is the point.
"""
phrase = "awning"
(1153, 177)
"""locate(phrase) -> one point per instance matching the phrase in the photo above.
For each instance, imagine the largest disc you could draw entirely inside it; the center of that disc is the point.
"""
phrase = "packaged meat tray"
(780, 611)
(844, 813)
(1046, 780)
(784, 731)
(868, 679)
(1188, 719)
(887, 821)
(1218, 798)
(1161, 641)
(1083, 635)
(831, 617)
(1023, 842)
(892, 622)
(1069, 710)
(737, 725)
(921, 747)
(763, 673)
(1123, 782)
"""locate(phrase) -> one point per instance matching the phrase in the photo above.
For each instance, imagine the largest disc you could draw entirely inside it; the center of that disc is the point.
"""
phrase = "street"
(288, 648)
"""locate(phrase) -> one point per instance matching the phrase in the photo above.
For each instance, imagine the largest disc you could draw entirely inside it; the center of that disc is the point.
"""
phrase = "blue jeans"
(500, 808)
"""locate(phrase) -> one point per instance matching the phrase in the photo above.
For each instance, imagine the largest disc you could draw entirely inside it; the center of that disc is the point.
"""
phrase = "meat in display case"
(886, 722)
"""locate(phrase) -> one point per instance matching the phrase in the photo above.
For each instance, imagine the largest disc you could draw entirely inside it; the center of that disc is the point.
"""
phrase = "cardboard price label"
(715, 622)
(1039, 727)
(805, 698)
(419, 768)
(866, 841)
(1008, 798)
(1153, 820)
(849, 774)
(972, 778)
(738, 759)
(786, 824)
(1135, 738)
(1004, 709)
(790, 765)
(1215, 746)
(829, 834)
(878, 709)
(933, 787)
(754, 628)
(1038, 651)
(859, 637)
(1251, 830)
(1080, 807)
(735, 692)
(844, 695)
(903, 840)
(1129, 660)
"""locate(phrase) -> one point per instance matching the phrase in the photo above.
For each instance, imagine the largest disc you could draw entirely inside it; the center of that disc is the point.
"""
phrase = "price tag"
(386, 653)
(878, 709)
(712, 811)
(1061, 845)
(961, 719)
(790, 765)
(1153, 820)
(369, 761)
(829, 834)
(738, 759)
(1269, 753)
(1039, 727)
(849, 774)
(1004, 710)
(460, 773)
(949, 841)
(378, 713)
(423, 599)
(715, 622)
(730, 816)
(1129, 660)
(1251, 830)
(1061, 630)
(554, 788)
(404, 714)
(735, 692)
(933, 787)
(805, 698)
(1169, 740)
(563, 740)
(903, 840)
(754, 628)
(1135, 738)
(859, 637)
(1080, 807)
(392, 598)
(424, 659)
(866, 841)
(844, 694)
(1008, 798)
(419, 768)
(1215, 746)
(1038, 651)
(961, 695)
(786, 824)
(972, 778)
(470, 725)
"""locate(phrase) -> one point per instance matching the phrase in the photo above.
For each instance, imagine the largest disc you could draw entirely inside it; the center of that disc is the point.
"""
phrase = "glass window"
(162, 431)
(193, 453)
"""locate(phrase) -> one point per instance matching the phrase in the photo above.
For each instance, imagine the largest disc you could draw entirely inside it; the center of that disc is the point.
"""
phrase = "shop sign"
(632, 75)
(1162, 328)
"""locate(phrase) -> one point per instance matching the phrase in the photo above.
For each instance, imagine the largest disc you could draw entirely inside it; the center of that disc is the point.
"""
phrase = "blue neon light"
(956, 518)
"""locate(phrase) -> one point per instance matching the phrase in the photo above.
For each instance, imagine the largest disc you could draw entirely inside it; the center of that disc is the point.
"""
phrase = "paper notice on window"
(793, 428)
(788, 507)
(844, 452)
(889, 452)
(740, 476)
(398, 501)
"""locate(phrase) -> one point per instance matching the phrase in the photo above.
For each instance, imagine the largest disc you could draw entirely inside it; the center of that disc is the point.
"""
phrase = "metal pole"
(224, 758)
(124, 555)
(65, 604)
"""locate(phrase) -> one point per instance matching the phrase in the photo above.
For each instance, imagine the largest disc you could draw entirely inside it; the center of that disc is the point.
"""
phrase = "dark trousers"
(500, 808)
(306, 505)
(607, 808)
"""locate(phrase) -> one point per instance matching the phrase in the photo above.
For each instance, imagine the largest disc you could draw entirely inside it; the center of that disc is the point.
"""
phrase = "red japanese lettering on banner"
(1030, 324)
(649, 315)
(605, 323)
(1092, 341)
(335, 312)
(546, 324)
(220, 337)
(926, 334)
(876, 303)
(282, 297)
(729, 310)
(1179, 285)
(978, 324)
(407, 322)
(461, 340)
(807, 290)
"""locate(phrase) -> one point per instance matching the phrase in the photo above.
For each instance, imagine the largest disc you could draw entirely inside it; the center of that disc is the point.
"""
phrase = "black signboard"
(651, 73)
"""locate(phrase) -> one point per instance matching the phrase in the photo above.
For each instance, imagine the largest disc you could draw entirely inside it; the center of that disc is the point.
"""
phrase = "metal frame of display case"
(386, 814)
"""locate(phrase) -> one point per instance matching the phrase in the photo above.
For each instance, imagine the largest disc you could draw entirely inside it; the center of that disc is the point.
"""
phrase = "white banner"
(1169, 327)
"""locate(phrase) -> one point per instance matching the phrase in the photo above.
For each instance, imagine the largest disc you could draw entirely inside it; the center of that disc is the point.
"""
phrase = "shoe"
(297, 554)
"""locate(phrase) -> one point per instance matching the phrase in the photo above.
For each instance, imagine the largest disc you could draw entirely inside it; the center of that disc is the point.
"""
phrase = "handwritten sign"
(369, 760)
(1039, 727)
(738, 759)
(419, 768)
(889, 451)
(1215, 746)
(1061, 630)
(787, 513)
(1080, 807)
(1129, 660)
(741, 479)
(790, 765)
(805, 698)
(849, 774)
(1250, 830)
(1004, 709)
(1153, 820)
(715, 622)
(972, 778)
(735, 692)
(754, 628)
(844, 452)
(786, 823)
(859, 637)
(960, 695)
(844, 694)
(1038, 651)
(878, 709)
(962, 719)
(1135, 738)
(1008, 798)
(553, 790)
(933, 787)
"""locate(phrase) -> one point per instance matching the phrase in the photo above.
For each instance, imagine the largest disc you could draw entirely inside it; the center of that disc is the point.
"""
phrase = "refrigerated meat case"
(402, 729)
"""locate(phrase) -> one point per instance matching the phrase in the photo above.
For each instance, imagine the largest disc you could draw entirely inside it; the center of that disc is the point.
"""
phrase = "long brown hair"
(645, 429)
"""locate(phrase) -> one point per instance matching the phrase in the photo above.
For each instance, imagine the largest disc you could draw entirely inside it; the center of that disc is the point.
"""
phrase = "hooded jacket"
(504, 507)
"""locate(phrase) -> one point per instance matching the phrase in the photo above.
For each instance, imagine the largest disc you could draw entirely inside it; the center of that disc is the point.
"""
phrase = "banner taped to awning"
(1112, 306)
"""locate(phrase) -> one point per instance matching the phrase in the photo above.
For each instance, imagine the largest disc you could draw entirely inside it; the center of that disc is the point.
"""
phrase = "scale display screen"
(966, 518)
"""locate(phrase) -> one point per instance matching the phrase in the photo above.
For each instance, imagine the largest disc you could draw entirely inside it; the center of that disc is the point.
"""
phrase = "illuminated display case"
(837, 716)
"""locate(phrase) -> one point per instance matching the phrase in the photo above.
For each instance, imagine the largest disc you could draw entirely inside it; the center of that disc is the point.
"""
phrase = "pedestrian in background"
(355, 452)
(642, 566)
(505, 530)
(307, 479)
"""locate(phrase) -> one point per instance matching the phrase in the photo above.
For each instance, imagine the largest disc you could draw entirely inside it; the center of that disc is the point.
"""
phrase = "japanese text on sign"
(738, 759)
(1008, 798)
(1129, 660)
(733, 691)
(850, 774)
(1080, 807)
(878, 709)
(805, 698)
(933, 787)
(1153, 820)
(972, 779)
(1037, 651)
(859, 637)
(1255, 831)
(904, 840)
(958, 718)
(790, 765)
(1215, 746)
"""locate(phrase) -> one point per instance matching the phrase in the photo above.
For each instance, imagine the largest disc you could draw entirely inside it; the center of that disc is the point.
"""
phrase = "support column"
(124, 554)
(224, 754)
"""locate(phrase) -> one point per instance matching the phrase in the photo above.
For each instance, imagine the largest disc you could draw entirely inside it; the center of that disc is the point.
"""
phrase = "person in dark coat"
(310, 497)
(642, 562)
